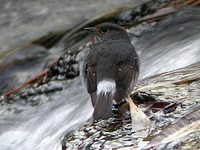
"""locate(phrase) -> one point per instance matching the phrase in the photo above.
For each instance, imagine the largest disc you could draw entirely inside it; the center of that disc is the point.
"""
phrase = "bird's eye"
(104, 30)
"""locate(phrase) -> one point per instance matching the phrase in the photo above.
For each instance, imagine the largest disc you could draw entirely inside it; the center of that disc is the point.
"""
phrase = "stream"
(171, 44)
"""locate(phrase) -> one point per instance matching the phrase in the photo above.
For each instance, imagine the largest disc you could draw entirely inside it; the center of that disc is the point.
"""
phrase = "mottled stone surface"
(180, 86)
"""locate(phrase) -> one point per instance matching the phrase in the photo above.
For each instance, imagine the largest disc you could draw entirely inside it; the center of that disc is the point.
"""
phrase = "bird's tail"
(103, 106)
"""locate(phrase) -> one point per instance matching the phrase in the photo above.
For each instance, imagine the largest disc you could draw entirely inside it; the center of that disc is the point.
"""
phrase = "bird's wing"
(136, 68)
(127, 75)
(90, 77)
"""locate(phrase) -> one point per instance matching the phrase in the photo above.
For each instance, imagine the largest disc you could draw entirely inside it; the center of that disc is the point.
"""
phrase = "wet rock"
(23, 21)
(177, 36)
(18, 67)
(122, 135)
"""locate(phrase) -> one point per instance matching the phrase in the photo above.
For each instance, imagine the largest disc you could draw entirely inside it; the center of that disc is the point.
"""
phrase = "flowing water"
(42, 127)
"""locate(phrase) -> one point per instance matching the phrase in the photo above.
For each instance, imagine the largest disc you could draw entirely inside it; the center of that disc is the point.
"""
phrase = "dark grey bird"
(110, 69)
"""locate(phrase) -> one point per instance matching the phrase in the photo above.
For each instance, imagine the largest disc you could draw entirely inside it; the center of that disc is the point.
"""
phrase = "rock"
(180, 81)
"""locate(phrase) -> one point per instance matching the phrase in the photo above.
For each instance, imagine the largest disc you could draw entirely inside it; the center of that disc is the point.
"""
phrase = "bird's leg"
(139, 120)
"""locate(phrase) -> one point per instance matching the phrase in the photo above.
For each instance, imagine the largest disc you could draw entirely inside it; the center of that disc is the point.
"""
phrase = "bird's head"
(109, 31)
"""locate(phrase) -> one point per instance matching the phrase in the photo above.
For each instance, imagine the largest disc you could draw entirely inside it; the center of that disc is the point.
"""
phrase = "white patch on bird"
(106, 86)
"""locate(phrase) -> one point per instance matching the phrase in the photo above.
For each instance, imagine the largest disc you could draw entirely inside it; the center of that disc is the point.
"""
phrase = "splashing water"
(42, 127)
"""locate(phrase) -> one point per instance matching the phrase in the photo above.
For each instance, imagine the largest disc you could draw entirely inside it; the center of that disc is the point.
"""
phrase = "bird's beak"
(91, 29)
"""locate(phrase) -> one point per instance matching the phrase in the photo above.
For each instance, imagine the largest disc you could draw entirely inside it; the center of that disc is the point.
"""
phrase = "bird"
(110, 69)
